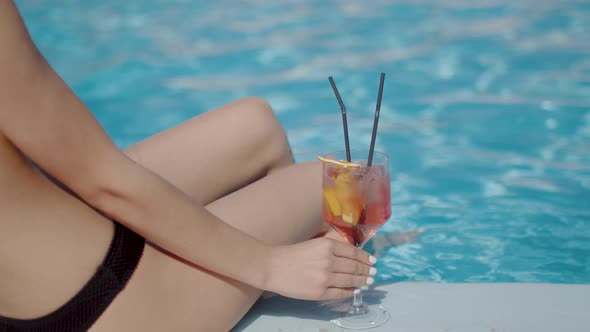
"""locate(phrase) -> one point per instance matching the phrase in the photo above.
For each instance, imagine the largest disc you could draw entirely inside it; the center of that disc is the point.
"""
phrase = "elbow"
(113, 202)
(105, 191)
(101, 198)
(118, 188)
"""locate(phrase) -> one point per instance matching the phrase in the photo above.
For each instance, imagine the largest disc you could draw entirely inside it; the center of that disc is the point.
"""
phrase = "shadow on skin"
(275, 305)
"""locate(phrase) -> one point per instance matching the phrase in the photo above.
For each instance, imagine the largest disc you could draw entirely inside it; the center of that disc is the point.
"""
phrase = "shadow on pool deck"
(279, 306)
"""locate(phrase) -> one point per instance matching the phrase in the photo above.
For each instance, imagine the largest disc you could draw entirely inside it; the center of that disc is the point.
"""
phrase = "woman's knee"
(271, 136)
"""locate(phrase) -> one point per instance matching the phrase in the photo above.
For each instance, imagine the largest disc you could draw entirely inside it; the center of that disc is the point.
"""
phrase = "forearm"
(146, 203)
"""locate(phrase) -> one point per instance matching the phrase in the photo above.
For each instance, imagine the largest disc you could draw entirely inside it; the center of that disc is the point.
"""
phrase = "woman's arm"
(45, 120)
(41, 116)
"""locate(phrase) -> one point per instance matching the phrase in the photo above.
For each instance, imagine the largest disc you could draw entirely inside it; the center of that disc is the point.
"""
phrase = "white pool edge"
(426, 307)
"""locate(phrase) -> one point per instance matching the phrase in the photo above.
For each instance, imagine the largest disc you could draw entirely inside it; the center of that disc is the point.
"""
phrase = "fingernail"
(372, 271)
(356, 291)
(372, 259)
(370, 281)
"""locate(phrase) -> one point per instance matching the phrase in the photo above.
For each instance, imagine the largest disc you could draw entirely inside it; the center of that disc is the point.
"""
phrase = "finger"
(345, 265)
(352, 252)
(338, 293)
(341, 280)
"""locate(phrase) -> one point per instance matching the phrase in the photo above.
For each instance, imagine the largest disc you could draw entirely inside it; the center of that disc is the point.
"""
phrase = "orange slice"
(351, 212)
(332, 201)
(341, 163)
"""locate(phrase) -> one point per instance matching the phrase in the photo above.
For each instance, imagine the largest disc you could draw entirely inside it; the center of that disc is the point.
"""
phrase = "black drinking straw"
(376, 122)
(344, 122)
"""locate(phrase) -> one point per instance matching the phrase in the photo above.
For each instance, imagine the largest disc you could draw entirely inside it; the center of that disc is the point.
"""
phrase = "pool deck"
(429, 307)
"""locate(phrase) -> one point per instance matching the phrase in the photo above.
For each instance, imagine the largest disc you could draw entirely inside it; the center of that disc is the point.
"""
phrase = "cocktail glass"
(356, 203)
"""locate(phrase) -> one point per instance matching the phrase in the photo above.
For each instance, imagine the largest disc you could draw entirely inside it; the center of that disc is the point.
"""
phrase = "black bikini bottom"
(80, 312)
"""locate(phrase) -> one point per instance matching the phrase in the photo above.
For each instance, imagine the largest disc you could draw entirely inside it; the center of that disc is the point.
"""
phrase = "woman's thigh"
(218, 151)
(168, 294)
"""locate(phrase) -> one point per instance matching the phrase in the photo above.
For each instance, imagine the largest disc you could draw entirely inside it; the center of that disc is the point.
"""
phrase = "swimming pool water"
(486, 109)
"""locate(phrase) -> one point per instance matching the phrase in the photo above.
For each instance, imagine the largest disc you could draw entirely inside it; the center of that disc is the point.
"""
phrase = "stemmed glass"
(356, 203)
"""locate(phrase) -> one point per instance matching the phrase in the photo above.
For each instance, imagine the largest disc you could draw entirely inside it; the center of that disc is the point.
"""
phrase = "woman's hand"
(319, 269)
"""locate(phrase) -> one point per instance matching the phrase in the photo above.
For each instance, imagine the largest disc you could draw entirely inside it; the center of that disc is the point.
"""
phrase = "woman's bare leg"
(219, 151)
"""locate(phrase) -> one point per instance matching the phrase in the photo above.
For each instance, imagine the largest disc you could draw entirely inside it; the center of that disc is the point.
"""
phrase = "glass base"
(373, 316)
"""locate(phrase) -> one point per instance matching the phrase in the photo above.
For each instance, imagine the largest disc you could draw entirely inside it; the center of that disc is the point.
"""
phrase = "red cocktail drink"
(356, 198)
(356, 203)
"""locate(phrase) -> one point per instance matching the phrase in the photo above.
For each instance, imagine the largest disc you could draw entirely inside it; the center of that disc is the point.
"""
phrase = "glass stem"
(358, 307)
(357, 300)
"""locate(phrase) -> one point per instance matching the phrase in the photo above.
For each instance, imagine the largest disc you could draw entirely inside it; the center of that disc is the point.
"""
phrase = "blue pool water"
(486, 110)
